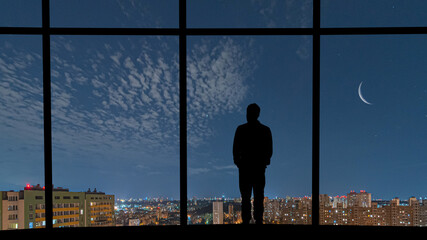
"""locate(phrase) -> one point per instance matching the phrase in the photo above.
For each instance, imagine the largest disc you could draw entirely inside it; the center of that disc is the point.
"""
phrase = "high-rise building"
(99, 209)
(339, 200)
(26, 209)
(231, 213)
(361, 211)
(218, 213)
(423, 213)
(362, 199)
(134, 222)
(271, 208)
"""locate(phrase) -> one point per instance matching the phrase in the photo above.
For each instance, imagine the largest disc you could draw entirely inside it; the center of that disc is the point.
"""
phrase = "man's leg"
(259, 196)
(245, 192)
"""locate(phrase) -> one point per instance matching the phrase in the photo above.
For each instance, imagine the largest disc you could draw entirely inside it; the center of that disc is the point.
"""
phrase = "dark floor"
(224, 231)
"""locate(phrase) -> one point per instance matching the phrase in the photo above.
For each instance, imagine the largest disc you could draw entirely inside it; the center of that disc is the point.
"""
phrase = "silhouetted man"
(252, 150)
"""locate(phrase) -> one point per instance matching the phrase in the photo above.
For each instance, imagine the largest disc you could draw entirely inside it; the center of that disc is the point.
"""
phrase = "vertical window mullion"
(316, 114)
(47, 115)
(183, 109)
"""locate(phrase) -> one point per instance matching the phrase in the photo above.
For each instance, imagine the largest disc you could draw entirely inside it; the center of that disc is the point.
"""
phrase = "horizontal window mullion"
(213, 31)
(21, 30)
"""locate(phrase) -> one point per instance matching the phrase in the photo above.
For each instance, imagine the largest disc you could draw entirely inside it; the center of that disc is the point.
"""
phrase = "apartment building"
(25, 209)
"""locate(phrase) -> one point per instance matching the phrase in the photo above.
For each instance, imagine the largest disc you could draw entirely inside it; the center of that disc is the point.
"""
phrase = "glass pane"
(373, 130)
(20, 13)
(250, 14)
(21, 133)
(115, 14)
(115, 122)
(373, 13)
(225, 75)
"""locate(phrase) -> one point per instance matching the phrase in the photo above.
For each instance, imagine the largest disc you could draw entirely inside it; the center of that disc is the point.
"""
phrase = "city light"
(354, 208)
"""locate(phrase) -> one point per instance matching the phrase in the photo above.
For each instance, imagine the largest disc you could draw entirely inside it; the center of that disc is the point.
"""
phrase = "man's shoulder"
(264, 127)
(251, 126)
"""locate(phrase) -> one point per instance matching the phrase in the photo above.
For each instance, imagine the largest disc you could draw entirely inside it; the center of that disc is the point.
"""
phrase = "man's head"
(252, 112)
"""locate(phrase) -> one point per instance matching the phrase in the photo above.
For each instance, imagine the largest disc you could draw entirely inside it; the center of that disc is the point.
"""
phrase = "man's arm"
(269, 146)
(236, 148)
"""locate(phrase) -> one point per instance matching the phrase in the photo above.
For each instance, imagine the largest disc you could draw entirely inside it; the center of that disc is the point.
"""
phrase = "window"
(375, 13)
(21, 113)
(249, 14)
(20, 13)
(115, 116)
(372, 124)
(115, 14)
(69, 86)
(225, 75)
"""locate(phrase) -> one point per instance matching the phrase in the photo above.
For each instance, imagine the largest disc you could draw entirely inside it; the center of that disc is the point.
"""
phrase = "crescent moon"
(361, 96)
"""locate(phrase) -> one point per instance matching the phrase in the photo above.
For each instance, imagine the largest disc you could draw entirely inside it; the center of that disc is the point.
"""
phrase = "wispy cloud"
(146, 13)
(218, 72)
(197, 171)
(21, 88)
(121, 95)
(284, 13)
(228, 169)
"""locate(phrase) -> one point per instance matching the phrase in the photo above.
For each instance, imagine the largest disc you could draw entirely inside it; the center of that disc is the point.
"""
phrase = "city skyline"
(115, 99)
(39, 187)
(25, 210)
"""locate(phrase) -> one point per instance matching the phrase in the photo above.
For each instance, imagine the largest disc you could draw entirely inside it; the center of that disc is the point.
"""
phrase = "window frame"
(316, 31)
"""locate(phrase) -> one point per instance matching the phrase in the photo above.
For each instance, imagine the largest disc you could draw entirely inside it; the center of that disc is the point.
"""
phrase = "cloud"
(304, 49)
(217, 83)
(119, 96)
(227, 167)
(128, 103)
(284, 13)
(21, 100)
(288, 13)
(197, 171)
(145, 13)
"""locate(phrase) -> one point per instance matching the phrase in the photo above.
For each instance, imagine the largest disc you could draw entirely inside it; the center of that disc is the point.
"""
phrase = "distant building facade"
(26, 209)
(294, 211)
(360, 210)
(218, 212)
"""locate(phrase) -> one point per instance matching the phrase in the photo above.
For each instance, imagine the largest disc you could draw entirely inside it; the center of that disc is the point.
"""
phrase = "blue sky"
(370, 13)
(274, 72)
(249, 13)
(115, 108)
(21, 115)
(115, 113)
(378, 147)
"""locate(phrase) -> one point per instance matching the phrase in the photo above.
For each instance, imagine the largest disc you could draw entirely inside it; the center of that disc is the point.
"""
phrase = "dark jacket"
(253, 145)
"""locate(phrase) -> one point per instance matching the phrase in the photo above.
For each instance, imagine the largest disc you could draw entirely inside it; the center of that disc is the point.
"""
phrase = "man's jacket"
(252, 146)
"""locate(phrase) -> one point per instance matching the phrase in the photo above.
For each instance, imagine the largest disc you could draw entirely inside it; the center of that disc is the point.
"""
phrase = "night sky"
(115, 99)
